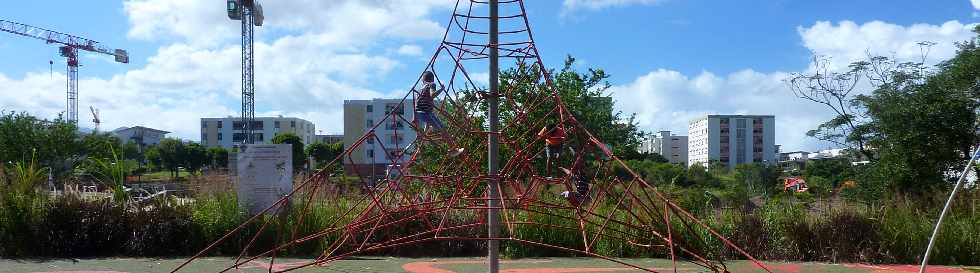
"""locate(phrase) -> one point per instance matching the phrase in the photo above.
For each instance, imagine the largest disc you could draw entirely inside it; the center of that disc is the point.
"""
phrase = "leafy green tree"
(52, 143)
(195, 157)
(323, 153)
(697, 175)
(297, 146)
(757, 178)
(131, 151)
(917, 126)
(171, 155)
(218, 157)
(100, 145)
(153, 158)
(833, 170)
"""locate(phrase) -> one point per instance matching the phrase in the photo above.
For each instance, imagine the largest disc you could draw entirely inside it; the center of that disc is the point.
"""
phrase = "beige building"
(390, 120)
(227, 132)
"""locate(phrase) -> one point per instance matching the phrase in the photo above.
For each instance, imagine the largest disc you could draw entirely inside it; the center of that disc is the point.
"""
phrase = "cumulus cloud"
(847, 41)
(667, 99)
(571, 5)
(321, 55)
(975, 3)
(410, 50)
(347, 22)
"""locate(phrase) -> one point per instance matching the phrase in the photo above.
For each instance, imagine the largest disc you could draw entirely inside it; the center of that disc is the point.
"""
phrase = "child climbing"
(424, 106)
(554, 138)
(581, 183)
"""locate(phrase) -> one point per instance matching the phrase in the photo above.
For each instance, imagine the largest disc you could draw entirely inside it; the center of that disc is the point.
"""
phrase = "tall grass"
(784, 228)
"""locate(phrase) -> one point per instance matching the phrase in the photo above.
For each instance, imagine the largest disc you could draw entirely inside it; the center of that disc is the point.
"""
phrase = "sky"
(669, 60)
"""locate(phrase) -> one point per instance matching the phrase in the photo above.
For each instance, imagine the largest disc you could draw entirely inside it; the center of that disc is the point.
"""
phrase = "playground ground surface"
(430, 265)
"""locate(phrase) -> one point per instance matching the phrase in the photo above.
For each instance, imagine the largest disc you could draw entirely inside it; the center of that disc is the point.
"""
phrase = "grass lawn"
(429, 265)
(163, 175)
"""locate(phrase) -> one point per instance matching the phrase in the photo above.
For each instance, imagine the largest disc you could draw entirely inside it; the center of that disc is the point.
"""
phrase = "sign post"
(264, 175)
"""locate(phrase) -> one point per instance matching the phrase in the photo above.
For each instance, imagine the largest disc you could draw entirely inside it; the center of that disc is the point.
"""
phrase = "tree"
(153, 158)
(834, 89)
(297, 146)
(194, 157)
(218, 157)
(323, 153)
(52, 143)
(100, 145)
(171, 155)
(131, 151)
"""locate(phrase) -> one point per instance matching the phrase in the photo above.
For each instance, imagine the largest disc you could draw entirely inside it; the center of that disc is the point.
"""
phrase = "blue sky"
(670, 60)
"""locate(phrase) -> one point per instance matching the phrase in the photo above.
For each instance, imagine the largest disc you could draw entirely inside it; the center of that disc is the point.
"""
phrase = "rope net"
(556, 177)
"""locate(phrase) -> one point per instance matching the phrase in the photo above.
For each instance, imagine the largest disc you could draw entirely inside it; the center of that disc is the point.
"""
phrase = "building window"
(219, 136)
(370, 108)
(370, 153)
(292, 124)
(394, 108)
(219, 124)
(204, 137)
(204, 124)
(370, 123)
(276, 124)
(370, 140)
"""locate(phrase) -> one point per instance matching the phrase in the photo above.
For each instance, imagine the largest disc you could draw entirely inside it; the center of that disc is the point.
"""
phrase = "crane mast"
(249, 12)
(70, 45)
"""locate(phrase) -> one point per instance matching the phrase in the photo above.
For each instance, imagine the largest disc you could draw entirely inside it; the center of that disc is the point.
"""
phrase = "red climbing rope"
(434, 189)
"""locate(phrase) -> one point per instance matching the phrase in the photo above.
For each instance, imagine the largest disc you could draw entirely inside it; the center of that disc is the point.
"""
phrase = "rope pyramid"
(435, 187)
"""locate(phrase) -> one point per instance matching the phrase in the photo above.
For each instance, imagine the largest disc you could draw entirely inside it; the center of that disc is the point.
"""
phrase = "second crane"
(70, 45)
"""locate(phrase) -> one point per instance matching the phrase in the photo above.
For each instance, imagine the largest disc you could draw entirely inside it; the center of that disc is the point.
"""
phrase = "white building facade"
(227, 132)
(671, 147)
(390, 120)
(732, 140)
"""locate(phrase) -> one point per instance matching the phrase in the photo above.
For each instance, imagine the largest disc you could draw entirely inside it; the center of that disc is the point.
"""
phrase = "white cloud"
(975, 3)
(321, 57)
(344, 22)
(571, 5)
(667, 99)
(410, 50)
(847, 41)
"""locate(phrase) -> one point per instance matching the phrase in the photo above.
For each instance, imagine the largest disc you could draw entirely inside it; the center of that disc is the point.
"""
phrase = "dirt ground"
(454, 265)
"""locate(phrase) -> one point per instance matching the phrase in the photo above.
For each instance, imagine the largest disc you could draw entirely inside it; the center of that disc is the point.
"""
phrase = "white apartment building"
(671, 147)
(732, 139)
(391, 121)
(227, 132)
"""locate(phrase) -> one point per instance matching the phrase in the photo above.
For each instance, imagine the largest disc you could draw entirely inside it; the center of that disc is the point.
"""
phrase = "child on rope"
(424, 105)
(554, 138)
(580, 182)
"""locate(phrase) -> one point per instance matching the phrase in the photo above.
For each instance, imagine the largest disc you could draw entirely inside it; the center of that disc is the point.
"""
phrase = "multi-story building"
(732, 140)
(227, 132)
(328, 139)
(390, 120)
(671, 147)
(140, 135)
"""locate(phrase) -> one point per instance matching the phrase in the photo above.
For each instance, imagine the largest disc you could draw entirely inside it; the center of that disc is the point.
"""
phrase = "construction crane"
(249, 12)
(95, 118)
(70, 45)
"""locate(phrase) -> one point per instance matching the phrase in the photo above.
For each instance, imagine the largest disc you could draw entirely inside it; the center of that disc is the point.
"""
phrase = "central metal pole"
(493, 185)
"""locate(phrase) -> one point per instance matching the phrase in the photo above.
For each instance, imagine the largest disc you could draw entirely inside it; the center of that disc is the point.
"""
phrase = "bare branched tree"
(824, 85)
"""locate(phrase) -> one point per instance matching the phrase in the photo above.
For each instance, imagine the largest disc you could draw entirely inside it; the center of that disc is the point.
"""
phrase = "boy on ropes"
(554, 138)
(581, 183)
(424, 104)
